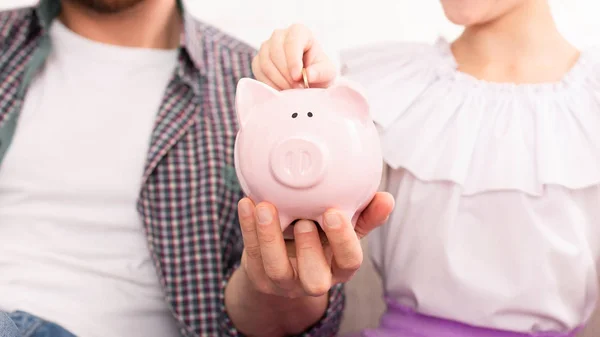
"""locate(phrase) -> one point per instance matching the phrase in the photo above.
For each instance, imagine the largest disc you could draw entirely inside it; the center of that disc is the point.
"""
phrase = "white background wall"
(346, 23)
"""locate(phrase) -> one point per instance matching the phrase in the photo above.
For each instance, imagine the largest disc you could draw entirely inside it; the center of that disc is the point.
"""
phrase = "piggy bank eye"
(294, 115)
(310, 114)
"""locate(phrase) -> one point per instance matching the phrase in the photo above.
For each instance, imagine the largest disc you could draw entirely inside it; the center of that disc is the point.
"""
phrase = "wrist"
(257, 313)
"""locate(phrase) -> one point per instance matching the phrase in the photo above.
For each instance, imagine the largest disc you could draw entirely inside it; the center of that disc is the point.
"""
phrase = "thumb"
(376, 213)
(321, 74)
(320, 71)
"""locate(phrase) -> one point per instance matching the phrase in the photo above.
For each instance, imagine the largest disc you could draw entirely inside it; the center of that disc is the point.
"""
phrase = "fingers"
(320, 70)
(321, 75)
(268, 69)
(299, 39)
(376, 213)
(249, 236)
(264, 258)
(345, 245)
(259, 75)
(278, 58)
(313, 268)
(273, 251)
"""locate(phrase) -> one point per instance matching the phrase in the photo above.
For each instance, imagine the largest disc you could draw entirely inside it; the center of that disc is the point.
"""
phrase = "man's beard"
(107, 6)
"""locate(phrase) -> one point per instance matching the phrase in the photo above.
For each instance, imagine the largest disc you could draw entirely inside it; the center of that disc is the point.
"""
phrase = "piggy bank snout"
(298, 162)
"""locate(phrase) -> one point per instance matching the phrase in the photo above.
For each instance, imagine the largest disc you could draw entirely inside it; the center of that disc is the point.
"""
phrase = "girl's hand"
(280, 60)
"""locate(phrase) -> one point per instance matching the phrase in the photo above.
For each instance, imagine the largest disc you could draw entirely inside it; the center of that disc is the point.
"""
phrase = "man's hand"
(293, 278)
(305, 266)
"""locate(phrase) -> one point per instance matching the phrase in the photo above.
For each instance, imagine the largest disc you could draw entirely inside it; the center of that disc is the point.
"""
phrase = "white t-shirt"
(497, 186)
(72, 246)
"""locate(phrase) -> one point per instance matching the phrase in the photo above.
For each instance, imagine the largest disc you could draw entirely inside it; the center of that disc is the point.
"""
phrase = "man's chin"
(107, 6)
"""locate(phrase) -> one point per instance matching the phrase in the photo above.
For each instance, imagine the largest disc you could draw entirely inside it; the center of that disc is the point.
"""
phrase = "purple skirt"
(399, 321)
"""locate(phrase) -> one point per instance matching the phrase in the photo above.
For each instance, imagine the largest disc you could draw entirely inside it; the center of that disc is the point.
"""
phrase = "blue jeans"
(7, 326)
(22, 324)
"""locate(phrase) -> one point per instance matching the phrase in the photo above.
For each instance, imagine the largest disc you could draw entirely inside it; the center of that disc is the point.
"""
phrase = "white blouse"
(497, 217)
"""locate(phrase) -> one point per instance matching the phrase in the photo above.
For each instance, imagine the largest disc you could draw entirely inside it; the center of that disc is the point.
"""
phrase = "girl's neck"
(522, 46)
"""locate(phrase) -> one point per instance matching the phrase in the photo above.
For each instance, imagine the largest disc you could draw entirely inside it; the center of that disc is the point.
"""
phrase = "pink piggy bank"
(306, 150)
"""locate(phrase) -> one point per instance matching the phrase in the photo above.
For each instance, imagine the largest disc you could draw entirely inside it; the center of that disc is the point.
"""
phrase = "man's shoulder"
(223, 40)
(13, 21)
(14, 16)
(212, 47)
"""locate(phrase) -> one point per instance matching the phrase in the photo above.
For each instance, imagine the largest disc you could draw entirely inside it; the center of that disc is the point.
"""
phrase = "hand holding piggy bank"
(306, 150)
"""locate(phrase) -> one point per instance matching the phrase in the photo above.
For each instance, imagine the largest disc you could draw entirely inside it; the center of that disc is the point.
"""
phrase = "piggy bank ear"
(249, 93)
(351, 101)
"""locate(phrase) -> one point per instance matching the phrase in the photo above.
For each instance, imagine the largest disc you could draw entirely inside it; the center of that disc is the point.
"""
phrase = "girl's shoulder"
(411, 59)
(398, 74)
(385, 55)
(442, 124)
(395, 73)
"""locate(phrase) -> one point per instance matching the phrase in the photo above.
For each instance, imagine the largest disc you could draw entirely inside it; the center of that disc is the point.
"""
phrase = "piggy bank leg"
(354, 218)
(285, 223)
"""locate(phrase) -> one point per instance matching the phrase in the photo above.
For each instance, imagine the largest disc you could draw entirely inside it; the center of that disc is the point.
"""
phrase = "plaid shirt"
(188, 201)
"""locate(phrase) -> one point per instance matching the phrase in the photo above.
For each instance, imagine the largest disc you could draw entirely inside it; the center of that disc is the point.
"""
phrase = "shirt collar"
(191, 42)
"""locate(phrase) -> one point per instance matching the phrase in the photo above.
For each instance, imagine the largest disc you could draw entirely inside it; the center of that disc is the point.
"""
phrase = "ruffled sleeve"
(440, 124)
(403, 68)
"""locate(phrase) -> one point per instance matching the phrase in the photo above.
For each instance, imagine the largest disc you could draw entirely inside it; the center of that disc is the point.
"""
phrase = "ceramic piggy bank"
(306, 150)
